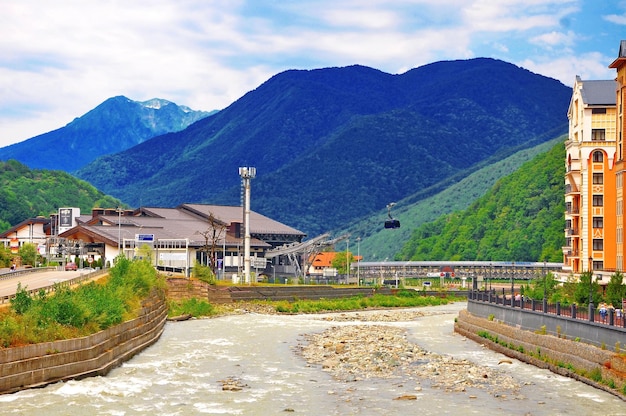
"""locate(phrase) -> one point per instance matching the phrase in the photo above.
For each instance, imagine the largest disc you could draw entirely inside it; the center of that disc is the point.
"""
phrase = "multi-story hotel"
(589, 178)
(620, 65)
(594, 178)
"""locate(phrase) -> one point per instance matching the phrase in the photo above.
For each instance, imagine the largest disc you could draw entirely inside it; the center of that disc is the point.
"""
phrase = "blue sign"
(144, 238)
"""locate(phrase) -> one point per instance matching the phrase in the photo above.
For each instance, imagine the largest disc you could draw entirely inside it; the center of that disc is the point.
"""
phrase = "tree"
(28, 253)
(583, 290)
(535, 290)
(212, 235)
(616, 290)
(342, 261)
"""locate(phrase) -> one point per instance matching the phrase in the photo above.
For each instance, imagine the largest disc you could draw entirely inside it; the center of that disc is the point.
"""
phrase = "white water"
(183, 373)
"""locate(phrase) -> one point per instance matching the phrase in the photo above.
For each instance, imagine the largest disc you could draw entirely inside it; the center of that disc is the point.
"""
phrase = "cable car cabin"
(392, 224)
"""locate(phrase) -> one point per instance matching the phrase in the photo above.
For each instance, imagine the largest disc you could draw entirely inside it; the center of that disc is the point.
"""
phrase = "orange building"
(589, 178)
(620, 65)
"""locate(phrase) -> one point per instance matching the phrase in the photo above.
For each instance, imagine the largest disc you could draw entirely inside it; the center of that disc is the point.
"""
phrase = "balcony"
(572, 231)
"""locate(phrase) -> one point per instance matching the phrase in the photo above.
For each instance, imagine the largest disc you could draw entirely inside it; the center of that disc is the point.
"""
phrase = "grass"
(72, 313)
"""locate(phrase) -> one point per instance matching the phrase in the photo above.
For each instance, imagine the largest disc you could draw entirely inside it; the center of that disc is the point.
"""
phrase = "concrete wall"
(181, 289)
(49, 362)
(560, 355)
(594, 333)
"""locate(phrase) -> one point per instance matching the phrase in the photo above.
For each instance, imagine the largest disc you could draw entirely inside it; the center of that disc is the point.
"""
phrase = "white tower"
(246, 173)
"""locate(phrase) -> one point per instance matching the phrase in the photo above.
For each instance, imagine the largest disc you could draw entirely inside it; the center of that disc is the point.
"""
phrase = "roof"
(599, 92)
(259, 224)
(621, 56)
(15, 228)
(187, 221)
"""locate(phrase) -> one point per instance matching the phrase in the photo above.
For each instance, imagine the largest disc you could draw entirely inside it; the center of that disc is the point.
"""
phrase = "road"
(34, 280)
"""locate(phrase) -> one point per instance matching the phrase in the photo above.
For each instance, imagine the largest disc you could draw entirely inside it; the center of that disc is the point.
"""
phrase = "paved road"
(34, 280)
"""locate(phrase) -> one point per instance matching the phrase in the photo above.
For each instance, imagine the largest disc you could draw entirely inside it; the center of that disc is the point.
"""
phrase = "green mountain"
(377, 243)
(113, 126)
(27, 193)
(520, 218)
(338, 144)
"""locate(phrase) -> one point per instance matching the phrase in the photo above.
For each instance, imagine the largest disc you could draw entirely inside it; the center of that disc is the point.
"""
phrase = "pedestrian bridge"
(481, 270)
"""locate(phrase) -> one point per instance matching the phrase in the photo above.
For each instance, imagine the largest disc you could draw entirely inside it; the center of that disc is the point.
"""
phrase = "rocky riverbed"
(369, 348)
(372, 347)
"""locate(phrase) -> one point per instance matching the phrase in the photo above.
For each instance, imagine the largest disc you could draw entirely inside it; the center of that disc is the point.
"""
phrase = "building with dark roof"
(177, 237)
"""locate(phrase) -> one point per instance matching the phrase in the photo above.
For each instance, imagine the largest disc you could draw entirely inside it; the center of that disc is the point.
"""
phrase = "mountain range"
(335, 145)
(115, 125)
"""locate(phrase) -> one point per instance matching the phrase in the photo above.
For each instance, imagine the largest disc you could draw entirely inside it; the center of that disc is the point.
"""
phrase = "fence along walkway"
(612, 317)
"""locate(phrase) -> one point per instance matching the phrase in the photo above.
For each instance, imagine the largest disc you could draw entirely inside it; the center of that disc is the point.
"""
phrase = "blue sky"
(60, 59)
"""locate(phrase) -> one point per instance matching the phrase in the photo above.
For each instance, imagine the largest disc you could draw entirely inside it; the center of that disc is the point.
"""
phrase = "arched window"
(598, 156)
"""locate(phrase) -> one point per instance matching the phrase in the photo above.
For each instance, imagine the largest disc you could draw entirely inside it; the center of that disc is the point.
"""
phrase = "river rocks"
(365, 350)
(232, 384)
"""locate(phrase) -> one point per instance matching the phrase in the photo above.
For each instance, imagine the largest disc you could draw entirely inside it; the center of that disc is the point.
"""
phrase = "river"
(184, 374)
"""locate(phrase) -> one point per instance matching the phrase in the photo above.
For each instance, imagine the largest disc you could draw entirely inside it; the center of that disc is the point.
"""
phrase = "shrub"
(22, 301)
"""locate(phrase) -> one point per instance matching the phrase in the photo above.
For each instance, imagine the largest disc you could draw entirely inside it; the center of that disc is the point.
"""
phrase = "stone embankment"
(49, 362)
(601, 368)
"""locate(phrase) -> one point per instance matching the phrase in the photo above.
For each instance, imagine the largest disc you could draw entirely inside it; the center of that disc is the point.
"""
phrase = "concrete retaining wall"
(560, 355)
(594, 333)
(181, 289)
(49, 362)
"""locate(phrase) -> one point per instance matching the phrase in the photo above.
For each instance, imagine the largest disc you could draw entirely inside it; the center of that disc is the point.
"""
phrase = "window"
(598, 111)
(598, 265)
(598, 222)
(598, 178)
(597, 134)
(598, 156)
(598, 244)
(598, 200)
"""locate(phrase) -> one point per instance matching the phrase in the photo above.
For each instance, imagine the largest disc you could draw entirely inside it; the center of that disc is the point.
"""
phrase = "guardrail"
(50, 288)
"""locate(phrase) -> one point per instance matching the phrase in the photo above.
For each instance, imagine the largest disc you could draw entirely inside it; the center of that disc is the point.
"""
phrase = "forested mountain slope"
(378, 243)
(26, 193)
(519, 219)
(337, 144)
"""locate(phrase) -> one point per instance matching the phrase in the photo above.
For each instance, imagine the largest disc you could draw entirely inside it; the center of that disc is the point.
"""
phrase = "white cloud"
(58, 60)
(616, 18)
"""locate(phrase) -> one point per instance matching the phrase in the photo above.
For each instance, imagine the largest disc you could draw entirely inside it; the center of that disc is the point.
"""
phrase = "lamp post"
(512, 286)
(490, 276)
(545, 303)
(348, 260)
(119, 231)
(358, 261)
(591, 289)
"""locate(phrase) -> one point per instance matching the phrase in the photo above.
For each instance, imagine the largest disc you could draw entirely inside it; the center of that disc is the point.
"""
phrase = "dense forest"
(27, 193)
(520, 218)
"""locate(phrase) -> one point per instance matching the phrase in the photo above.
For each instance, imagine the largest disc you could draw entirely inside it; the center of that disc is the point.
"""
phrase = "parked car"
(71, 266)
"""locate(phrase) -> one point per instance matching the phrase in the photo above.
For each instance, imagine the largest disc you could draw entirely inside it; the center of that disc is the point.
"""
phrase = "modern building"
(177, 238)
(619, 65)
(590, 217)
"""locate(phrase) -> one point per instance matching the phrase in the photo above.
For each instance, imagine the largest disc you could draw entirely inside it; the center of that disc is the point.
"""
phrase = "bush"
(22, 301)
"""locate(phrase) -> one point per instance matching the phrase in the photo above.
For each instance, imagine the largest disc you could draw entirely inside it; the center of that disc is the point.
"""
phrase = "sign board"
(259, 262)
(144, 238)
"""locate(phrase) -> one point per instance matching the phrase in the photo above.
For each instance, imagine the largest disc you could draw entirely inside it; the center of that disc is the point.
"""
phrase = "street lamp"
(348, 260)
(590, 280)
(358, 261)
(512, 287)
(544, 287)
(490, 276)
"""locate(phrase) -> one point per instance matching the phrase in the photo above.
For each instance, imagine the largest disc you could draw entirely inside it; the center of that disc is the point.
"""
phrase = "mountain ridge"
(334, 144)
(116, 124)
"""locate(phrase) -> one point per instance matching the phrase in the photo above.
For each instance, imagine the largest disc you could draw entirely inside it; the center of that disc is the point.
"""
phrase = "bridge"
(481, 270)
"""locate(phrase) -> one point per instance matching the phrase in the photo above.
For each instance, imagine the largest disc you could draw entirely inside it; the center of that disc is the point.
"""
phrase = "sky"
(60, 59)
